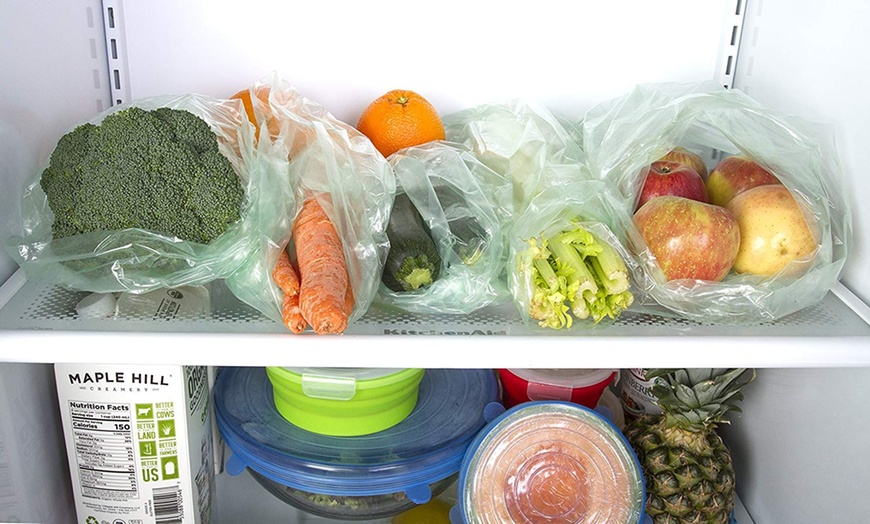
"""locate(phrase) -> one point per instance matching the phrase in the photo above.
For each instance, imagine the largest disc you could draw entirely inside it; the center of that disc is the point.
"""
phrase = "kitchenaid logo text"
(119, 377)
(436, 332)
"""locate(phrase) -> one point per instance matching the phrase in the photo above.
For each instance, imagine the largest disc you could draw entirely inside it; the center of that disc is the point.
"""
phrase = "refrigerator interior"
(804, 424)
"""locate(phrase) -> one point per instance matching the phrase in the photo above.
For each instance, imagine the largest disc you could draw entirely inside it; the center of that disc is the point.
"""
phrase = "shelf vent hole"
(739, 7)
(110, 14)
(728, 65)
(114, 44)
(734, 35)
(117, 75)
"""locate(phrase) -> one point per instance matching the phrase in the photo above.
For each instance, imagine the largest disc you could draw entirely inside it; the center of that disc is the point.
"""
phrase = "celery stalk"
(583, 241)
(611, 269)
(619, 303)
(549, 289)
(576, 272)
(580, 280)
(546, 272)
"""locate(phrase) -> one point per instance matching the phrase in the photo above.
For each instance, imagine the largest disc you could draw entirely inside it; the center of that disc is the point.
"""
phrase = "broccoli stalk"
(578, 272)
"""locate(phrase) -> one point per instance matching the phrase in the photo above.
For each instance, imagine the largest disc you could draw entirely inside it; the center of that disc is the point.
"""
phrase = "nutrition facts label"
(103, 437)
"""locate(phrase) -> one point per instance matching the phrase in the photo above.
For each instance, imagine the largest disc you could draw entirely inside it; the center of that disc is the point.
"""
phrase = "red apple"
(672, 178)
(689, 239)
(734, 175)
(684, 156)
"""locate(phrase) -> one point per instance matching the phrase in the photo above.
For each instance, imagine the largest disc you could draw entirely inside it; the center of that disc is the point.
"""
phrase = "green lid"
(344, 401)
(342, 383)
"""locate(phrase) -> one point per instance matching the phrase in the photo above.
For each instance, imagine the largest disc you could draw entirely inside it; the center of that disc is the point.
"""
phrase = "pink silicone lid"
(554, 462)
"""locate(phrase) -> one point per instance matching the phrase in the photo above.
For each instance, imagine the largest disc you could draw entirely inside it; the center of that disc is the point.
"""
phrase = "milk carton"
(139, 442)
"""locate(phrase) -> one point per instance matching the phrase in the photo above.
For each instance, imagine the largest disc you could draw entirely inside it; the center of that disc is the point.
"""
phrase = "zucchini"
(471, 237)
(413, 261)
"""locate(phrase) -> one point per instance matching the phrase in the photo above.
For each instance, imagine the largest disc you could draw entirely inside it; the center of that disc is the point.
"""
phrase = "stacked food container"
(550, 461)
(355, 476)
(354, 444)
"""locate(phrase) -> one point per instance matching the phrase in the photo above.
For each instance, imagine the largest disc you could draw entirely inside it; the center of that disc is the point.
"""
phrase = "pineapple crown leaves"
(695, 399)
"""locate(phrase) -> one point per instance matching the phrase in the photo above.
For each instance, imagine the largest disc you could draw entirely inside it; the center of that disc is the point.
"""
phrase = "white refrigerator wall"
(800, 447)
(53, 58)
(807, 58)
(565, 54)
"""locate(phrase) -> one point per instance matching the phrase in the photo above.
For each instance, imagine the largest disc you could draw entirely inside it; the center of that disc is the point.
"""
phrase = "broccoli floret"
(157, 170)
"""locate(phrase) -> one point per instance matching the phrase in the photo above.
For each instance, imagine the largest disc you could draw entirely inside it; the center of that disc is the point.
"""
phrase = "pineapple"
(689, 476)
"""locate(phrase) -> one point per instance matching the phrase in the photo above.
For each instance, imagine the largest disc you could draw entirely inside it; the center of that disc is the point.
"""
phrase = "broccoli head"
(157, 170)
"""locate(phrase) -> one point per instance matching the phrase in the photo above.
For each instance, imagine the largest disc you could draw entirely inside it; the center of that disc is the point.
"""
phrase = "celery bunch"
(576, 274)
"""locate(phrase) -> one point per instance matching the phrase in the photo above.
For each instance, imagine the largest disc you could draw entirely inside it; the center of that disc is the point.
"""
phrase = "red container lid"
(583, 386)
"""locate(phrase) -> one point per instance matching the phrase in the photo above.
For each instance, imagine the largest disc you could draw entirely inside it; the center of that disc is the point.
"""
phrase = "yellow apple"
(774, 230)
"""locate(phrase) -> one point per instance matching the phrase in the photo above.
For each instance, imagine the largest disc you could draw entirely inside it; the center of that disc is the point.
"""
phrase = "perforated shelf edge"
(38, 323)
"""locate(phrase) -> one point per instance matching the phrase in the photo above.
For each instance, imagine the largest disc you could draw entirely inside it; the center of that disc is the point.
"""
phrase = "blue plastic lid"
(543, 442)
(426, 447)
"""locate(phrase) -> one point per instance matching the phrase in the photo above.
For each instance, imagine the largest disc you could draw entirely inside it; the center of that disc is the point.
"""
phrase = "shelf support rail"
(116, 51)
(730, 49)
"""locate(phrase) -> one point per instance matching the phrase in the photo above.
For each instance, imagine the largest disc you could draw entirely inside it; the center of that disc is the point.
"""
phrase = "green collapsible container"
(344, 402)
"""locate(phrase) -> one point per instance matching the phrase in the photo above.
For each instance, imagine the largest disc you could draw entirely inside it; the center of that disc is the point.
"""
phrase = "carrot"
(348, 299)
(322, 270)
(287, 278)
(292, 314)
(285, 275)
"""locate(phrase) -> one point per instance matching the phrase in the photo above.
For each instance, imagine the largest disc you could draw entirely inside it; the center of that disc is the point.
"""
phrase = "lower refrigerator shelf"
(242, 499)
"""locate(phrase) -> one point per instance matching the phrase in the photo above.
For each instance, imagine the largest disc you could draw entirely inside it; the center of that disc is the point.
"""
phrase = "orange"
(400, 119)
(263, 96)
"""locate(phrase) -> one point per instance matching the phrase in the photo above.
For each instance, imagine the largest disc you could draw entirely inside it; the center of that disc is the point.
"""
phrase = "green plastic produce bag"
(138, 260)
(563, 207)
(542, 186)
(446, 183)
(622, 137)
(335, 163)
(523, 143)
